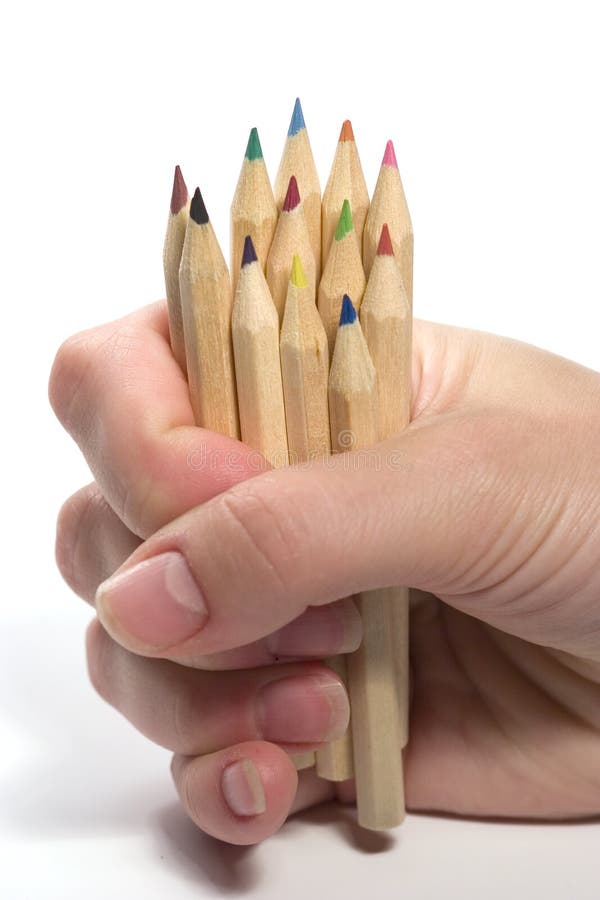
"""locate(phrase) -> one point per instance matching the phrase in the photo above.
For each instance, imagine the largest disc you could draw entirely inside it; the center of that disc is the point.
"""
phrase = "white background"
(493, 108)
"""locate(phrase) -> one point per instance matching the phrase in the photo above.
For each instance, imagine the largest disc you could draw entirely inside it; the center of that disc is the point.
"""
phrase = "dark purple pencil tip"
(249, 254)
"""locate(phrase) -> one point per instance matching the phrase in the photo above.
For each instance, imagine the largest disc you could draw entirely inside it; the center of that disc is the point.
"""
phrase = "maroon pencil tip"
(179, 197)
(292, 197)
(385, 247)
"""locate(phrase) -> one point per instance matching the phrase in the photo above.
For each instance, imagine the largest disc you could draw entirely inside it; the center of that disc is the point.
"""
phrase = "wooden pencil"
(343, 274)
(297, 159)
(334, 761)
(346, 181)
(352, 417)
(389, 206)
(173, 247)
(255, 328)
(385, 317)
(206, 303)
(253, 209)
(375, 719)
(305, 370)
(291, 236)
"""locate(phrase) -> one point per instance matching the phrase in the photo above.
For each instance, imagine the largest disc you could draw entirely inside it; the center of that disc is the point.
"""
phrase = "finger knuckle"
(98, 647)
(184, 722)
(264, 531)
(73, 525)
(82, 362)
(67, 375)
(138, 503)
(188, 787)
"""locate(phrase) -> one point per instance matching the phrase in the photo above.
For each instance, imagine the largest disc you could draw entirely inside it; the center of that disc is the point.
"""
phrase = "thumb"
(447, 507)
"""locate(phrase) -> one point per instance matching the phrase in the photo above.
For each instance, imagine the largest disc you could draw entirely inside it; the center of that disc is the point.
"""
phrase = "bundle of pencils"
(305, 351)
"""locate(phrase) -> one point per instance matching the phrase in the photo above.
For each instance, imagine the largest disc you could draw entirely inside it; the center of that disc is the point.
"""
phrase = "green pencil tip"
(254, 150)
(344, 225)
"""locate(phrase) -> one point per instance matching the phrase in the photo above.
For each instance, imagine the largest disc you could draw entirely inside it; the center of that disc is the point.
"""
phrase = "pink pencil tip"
(389, 157)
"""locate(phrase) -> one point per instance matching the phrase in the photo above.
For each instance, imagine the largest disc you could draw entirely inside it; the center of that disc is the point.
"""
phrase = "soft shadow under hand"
(342, 819)
(201, 858)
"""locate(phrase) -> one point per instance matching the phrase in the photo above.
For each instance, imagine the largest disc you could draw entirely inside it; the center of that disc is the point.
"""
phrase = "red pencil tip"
(389, 157)
(179, 197)
(346, 134)
(385, 247)
(292, 197)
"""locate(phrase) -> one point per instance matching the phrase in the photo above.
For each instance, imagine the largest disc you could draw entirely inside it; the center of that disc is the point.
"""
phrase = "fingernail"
(155, 604)
(302, 709)
(243, 789)
(320, 631)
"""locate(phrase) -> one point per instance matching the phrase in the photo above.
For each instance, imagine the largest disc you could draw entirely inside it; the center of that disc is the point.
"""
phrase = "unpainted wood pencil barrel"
(206, 303)
(173, 248)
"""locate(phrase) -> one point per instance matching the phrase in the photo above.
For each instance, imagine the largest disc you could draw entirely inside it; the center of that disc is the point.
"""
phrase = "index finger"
(120, 393)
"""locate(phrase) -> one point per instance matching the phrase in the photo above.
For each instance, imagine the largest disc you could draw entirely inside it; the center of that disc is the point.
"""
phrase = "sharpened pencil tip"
(385, 247)
(179, 196)
(348, 313)
(253, 148)
(389, 157)
(292, 197)
(297, 120)
(249, 254)
(198, 209)
(344, 225)
(347, 134)
(297, 276)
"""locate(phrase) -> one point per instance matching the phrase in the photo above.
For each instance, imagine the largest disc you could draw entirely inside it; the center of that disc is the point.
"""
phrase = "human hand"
(489, 500)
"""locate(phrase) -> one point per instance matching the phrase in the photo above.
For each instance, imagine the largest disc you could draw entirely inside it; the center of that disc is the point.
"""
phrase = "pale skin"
(489, 500)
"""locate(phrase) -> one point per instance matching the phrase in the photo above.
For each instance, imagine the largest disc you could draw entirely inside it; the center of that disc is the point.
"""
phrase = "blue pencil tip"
(249, 254)
(297, 122)
(348, 313)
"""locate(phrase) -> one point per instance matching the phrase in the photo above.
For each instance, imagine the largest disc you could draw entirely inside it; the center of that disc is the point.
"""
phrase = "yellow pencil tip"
(297, 277)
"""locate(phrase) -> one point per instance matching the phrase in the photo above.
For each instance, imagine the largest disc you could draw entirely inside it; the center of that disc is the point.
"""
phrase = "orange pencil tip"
(346, 134)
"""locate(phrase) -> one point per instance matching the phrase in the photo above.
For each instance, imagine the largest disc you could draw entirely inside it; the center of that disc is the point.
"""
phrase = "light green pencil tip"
(344, 225)
(297, 277)
(254, 150)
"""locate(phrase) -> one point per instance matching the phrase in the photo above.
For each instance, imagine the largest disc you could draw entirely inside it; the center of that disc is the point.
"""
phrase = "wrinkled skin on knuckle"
(98, 647)
(75, 519)
(81, 362)
(67, 375)
(184, 714)
(261, 524)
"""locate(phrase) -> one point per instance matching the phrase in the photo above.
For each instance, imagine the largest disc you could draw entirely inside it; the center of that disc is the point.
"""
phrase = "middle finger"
(191, 712)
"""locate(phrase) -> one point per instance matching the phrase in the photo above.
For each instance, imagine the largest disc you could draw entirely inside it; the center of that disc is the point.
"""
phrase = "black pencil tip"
(197, 208)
